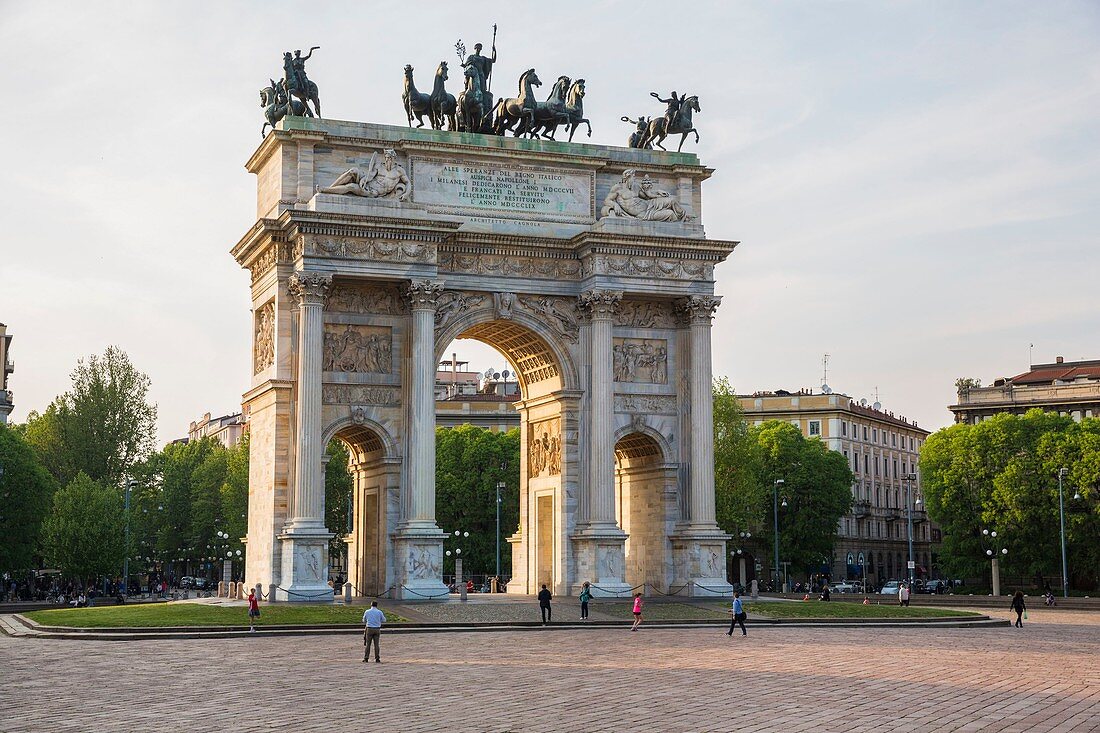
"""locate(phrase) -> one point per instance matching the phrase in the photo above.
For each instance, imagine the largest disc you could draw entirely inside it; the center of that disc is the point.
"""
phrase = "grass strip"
(153, 615)
(829, 609)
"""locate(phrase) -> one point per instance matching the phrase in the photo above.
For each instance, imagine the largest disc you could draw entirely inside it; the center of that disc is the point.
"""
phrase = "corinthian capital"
(699, 308)
(424, 294)
(311, 288)
(600, 303)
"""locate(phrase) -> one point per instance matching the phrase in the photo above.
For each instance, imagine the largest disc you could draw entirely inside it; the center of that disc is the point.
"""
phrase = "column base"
(600, 553)
(699, 563)
(304, 568)
(419, 563)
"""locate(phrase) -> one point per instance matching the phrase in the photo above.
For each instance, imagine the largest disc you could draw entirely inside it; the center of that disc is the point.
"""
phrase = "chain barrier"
(422, 595)
(722, 591)
(303, 595)
(618, 593)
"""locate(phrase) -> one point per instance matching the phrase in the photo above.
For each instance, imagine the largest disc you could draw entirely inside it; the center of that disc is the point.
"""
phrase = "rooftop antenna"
(1030, 359)
(877, 405)
(825, 388)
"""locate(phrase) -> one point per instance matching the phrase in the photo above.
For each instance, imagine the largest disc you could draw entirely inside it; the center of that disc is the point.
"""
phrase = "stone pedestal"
(305, 568)
(700, 564)
(420, 576)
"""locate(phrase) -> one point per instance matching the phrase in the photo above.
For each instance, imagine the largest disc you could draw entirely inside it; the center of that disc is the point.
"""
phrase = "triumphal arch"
(587, 266)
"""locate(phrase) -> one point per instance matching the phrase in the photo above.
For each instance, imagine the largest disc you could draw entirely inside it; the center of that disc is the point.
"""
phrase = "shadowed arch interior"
(641, 478)
(532, 357)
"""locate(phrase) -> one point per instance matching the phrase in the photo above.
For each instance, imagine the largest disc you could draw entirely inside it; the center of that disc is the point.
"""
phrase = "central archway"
(550, 464)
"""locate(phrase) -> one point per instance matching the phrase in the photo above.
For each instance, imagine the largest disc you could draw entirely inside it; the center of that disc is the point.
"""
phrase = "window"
(843, 428)
(895, 468)
(874, 435)
(865, 432)
(894, 439)
(910, 442)
(865, 468)
(815, 428)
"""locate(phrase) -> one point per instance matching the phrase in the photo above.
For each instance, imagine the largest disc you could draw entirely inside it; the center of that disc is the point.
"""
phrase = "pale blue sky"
(916, 185)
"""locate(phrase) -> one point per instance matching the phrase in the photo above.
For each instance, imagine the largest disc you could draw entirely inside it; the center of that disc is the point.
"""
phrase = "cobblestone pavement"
(1044, 677)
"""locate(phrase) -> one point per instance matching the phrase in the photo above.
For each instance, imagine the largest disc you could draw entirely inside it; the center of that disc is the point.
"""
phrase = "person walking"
(544, 604)
(253, 610)
(739, 615)
(586, 596)
(637, 611)
(903, 595)
(372, 630)
(1019, 607)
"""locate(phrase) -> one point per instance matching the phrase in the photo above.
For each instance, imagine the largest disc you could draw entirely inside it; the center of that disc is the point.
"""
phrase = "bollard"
(238, 591)
(347, 592)
(221, 589)
(271, 593)
(755, 589)
(259, 591)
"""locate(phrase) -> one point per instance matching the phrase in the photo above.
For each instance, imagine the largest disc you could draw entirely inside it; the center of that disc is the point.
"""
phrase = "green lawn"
(828, 609)
(200, 614)
(659, 611)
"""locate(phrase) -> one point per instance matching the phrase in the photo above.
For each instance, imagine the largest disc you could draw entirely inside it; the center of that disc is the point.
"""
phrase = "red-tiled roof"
(1065, 372)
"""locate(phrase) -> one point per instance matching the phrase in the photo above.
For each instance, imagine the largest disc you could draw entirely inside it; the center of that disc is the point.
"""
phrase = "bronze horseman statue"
(677, 119)
(291, 95)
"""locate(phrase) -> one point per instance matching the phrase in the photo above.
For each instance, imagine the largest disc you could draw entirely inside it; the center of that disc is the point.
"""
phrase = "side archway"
(645, 504)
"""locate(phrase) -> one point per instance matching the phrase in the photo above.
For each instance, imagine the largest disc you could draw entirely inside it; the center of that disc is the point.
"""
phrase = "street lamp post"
(1062, 520)
(775, 517)
(994, 561)
(909, 478)
(126, 560)
(458, 564)
(500, 487)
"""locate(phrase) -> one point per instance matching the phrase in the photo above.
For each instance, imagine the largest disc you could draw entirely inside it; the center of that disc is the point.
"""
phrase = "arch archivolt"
(539, 350)
(362, 434)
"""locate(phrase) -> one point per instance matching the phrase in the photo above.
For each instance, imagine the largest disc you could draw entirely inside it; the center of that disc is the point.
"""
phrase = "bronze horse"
(274, 100)
(417, 104)
(514, 109)
(657, 132)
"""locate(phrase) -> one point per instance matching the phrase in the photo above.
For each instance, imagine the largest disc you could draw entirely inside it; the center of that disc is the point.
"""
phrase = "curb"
(228, 632)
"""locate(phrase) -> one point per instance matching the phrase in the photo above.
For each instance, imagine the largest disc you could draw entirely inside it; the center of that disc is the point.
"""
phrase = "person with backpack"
(586, 596)
(739, 615)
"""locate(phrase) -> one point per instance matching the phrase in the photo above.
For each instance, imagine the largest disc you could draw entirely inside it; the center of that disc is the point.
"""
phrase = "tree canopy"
(102, 426)
(84, 534)
(1002, 475)
(26, 490)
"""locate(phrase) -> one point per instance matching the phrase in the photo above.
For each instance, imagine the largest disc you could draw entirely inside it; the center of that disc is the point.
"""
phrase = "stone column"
(420, 541)
(699, 311)
(601, 549)
(699, 546)
(305, 537)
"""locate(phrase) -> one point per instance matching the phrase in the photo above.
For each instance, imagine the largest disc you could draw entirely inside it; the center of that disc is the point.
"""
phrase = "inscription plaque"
(549, 194)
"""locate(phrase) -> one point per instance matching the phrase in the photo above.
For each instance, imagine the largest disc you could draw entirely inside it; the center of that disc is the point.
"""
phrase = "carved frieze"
(648, 267)
(385, 250)
(276, 253)
(647, 404)
(544, 448)
(640, 360)
(382, 178)
(645, 314)
(264, 352)
(559, 313)
(352, 348)
(359, 394)
(508, 266)
(452, 303)
(382, 300)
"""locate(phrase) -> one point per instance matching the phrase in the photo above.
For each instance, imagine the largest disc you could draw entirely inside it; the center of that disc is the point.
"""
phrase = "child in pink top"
(637, 611)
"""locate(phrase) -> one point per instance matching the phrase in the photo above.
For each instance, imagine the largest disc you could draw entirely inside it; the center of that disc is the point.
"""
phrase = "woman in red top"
(637, 611)
(253, 610)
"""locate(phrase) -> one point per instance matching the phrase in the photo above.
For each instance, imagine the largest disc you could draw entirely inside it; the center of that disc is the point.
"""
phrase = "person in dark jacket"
(1019, 607)
(544, 604)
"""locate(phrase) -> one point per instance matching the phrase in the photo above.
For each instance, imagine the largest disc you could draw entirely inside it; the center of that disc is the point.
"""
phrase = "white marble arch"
(541, 550)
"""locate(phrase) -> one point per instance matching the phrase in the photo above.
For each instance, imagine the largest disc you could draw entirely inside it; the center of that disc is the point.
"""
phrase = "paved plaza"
(1045, 677)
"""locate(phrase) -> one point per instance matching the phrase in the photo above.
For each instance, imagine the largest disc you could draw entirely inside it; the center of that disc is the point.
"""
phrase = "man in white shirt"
(372, 631)
(903, 594)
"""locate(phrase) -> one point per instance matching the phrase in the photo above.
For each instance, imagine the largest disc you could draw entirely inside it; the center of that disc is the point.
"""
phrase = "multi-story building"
(483, 399)
(227, 429)
(6, 368)
(882, 450)
(1066, 387)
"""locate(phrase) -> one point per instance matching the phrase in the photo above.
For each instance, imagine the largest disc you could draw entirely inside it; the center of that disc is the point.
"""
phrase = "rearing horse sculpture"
(657, 132)
(510, 111)
(471, 103)
(275, 102)
(443, 104)
(549, 114)
(416, 103)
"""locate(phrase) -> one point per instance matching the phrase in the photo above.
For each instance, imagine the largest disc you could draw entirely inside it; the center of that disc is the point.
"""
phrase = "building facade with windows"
(227, 429)
(6, 368)
(882, 449)
(1067, 387)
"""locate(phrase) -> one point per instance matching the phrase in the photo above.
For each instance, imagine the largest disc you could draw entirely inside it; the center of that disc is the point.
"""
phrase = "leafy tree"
(1001, 474)
(963, 384)
(235, 492)
(26, 488)
(102, 427)
(338, 490)
(740, 497)
(206, 499)
(469, 463)
(817, 485)
(84, 534)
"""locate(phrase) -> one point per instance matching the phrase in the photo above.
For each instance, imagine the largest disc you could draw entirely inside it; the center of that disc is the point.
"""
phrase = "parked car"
(187, 582)
(891, 588)
(935, 587)
(844, 587)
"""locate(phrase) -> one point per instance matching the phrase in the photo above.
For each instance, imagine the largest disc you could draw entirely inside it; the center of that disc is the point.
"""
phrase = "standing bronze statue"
(443, 104)
(677, 119)
(471, 102)
(484, 67)
(298, 84)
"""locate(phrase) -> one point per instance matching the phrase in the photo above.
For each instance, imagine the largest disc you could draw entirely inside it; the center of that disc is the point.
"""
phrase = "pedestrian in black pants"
(739, 615)
(544, 604)
(586, 596)
(1019, 607)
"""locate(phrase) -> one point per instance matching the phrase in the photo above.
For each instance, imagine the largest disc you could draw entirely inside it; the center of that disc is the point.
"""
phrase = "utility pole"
(775, 516)
(500, 486)
(909, 479)
(126, 560)
(1062, 520)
